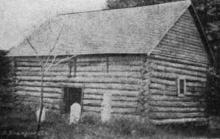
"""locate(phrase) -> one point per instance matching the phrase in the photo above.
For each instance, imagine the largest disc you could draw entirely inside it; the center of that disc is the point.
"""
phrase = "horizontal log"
(176, 104)
(116, 93)
(162, 87)
(180, 58)
(120, 115)
(171, 48)
(166, 49)
(38, 89)
(127, 58)
(98, 67)
(123, 104)
(169, 69)
(156, 91)
(187, 24)
(176, 110)
(185, 56)
(90, 108)
(195, 87)
(124, 98)
(114, 104)
(180, 120)
(82, 79)
(180, 66)
(46, 105)
(169, 41)
(113, 110)
(123, 110)
(37, 94)
(187, 17)
(124, 113)
(88, 59)
(179, 45)
(168, 82)
(190, 31)
(185, 27)
(113, 86)
(173, 82)
(116, 74)
(176, 60)
(36, 100)
(181, 36)
(183, 33)
(167, 92)
(92, 96)
(89, 102)
(87, 112)
(187, 40)
(169, 75)
(165, 85)
(175, 115)
(85, 66)
(89, 74)
(175, 98)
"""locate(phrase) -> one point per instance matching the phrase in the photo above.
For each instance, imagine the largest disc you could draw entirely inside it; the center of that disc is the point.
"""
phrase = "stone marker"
(106, 108)
(75, 113)
(43, 115)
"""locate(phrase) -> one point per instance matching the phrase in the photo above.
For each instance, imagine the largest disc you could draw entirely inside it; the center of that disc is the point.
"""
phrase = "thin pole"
(41, 99)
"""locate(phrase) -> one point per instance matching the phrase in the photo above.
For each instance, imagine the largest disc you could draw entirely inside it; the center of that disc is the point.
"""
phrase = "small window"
(181, 86)
(71, 95)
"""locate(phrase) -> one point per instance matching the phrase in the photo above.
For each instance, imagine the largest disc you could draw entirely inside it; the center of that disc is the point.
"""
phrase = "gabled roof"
(120, 31)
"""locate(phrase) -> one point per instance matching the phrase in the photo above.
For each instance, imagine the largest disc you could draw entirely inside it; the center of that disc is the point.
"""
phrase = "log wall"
(96, 75)
(180, 54)
(139, 85)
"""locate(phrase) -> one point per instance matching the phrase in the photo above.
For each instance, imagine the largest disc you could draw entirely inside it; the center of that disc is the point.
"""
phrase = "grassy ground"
(84, 131)
(90, 127)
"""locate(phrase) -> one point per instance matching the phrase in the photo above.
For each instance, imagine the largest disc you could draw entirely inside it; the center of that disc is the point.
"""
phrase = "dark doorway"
(71, 95)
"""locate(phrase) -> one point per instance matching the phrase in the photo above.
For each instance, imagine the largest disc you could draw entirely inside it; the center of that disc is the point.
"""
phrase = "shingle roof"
(120, 31)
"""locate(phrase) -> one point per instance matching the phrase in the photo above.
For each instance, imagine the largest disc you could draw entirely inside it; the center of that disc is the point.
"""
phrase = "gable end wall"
(180, 54)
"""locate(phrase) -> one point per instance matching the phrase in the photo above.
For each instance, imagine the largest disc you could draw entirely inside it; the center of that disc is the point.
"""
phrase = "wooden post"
(41, 99)
(70, 65)
(13, 73)
(75, 66)
(107, 64)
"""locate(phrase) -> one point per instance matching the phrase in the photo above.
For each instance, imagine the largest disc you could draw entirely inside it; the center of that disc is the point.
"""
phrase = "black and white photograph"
(109, 69)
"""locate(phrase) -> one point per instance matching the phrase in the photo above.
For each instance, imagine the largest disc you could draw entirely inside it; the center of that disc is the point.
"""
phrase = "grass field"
(90, 127)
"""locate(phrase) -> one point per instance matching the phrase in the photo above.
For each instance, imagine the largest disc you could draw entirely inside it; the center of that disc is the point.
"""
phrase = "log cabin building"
(146, 61)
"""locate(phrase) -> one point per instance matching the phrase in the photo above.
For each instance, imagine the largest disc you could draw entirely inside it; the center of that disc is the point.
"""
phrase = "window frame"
(184, 86)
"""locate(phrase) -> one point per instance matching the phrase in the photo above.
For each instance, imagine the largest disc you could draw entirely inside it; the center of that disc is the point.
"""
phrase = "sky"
(18, 18)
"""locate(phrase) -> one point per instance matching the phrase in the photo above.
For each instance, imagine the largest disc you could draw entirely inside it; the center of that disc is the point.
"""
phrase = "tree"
(46, 63)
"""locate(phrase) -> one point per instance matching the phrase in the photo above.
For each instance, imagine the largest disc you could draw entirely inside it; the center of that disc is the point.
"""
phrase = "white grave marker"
(75, 112)
(106, 108)
(43, 115)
